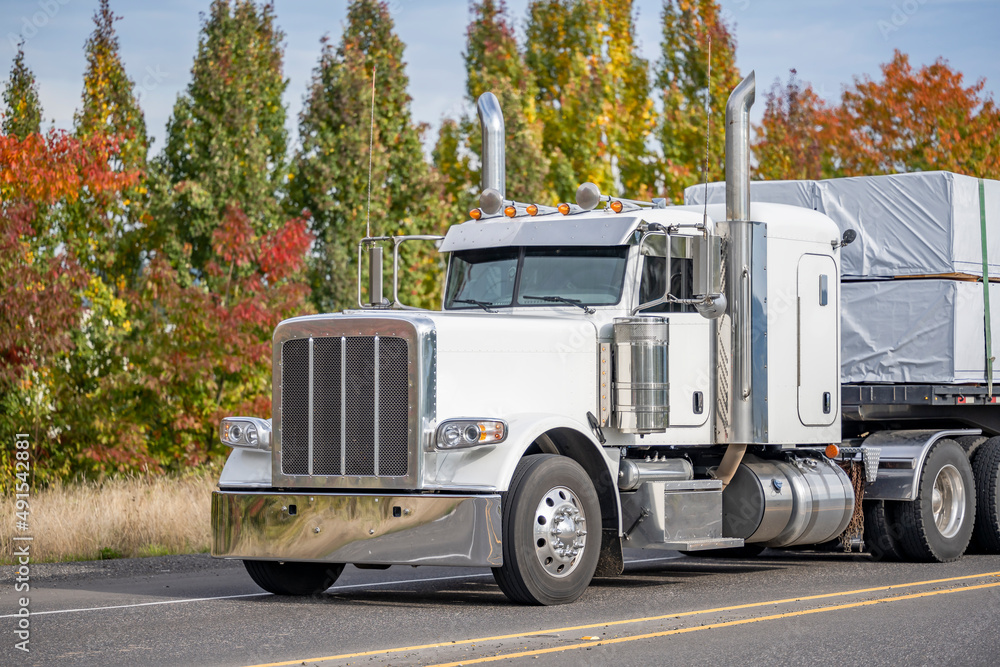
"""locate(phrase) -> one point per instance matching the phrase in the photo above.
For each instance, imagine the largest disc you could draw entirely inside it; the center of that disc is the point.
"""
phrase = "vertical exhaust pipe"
(741, 351)
(494, 160)
(738, 149)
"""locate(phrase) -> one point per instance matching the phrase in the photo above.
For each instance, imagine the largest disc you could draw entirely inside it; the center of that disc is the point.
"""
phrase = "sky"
(828, 42)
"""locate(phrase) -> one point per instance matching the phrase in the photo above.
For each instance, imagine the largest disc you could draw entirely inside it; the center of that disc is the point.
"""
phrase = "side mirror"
(848, 238)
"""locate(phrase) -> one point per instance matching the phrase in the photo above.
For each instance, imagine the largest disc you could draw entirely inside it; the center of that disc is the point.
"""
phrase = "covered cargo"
(916, 224)
(924, 331)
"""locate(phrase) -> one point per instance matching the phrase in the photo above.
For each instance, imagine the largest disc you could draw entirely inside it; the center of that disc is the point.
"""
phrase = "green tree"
(22, 113)
(331, 166)
(106, 230)
(593, 93)
(682, 78)
(109, 103)
(493, 62)
(226, 139)
(456, 181)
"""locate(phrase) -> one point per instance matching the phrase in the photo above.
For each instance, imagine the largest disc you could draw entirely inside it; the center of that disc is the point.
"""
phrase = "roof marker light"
(510, 211)
(532, 209)
(564, 208)
(476, 213)
(616, 206)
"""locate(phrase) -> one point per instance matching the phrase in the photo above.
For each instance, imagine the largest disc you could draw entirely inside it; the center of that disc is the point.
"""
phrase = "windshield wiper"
(562, 299)
(482, 304)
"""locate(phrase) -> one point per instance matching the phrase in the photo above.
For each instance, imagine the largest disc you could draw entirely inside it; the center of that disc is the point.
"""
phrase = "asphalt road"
(782, 607)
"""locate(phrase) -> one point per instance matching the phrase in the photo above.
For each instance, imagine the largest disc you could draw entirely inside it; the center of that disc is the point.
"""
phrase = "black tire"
(293, 578)
(922, 538)
(986, 471)
(746, 551)
(970, 443)
(551, 491)
(881, 532)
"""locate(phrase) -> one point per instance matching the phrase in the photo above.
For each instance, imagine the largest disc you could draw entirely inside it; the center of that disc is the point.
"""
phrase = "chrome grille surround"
(387, 357)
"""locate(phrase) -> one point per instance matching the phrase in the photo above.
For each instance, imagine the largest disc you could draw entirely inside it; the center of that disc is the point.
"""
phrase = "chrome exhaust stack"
(494, 160)
(738, 149)
(741, 395)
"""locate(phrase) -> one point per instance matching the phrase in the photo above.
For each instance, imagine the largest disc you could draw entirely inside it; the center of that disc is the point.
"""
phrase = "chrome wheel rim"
(948, 501)
(560, 531)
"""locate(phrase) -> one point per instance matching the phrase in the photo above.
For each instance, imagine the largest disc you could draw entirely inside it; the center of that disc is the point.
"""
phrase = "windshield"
(509, 276)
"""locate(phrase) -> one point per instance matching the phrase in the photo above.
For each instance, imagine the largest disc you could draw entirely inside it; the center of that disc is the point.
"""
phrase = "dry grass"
(116, 518)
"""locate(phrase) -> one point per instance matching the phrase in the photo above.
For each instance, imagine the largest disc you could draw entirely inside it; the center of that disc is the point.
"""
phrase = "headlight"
(249, 432)
(457, 433)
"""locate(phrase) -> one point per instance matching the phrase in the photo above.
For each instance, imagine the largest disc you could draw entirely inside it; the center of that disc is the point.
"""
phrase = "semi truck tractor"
(612, 374)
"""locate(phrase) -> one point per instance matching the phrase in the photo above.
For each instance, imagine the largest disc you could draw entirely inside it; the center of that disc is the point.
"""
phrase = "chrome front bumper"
(339, 528)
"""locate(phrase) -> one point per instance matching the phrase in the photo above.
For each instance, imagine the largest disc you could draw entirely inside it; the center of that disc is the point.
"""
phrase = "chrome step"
(701, 545)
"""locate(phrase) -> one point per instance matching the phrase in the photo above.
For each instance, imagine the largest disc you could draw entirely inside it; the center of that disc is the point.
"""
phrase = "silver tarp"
(923, 223)
(918, 331)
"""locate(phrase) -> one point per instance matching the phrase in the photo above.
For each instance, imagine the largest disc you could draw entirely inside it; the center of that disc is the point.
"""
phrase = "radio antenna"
(708, 130)
(371, 145)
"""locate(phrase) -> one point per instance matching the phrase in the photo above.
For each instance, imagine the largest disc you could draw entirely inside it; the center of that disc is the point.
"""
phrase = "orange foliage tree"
(42, 282)
(911, 120)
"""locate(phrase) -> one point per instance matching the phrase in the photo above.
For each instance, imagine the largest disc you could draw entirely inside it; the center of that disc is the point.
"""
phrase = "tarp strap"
(986, 287)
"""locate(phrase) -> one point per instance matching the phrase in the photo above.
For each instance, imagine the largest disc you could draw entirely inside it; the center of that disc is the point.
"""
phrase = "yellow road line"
(678, 631)
(646, 619)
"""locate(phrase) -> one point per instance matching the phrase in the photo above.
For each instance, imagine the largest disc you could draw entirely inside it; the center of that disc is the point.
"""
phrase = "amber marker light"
(532, 209)
(832, 451)
(564, 208)
(510, 211)
(616, 206)
(476, 214)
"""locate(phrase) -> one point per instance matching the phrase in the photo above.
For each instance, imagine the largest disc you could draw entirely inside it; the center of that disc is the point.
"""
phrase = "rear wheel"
(986, 469)
(937, 526)
(881, 532)
(551, 532)
(293, 578)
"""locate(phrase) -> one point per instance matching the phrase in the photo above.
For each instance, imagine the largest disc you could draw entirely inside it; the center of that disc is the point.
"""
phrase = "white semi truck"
(602, 375)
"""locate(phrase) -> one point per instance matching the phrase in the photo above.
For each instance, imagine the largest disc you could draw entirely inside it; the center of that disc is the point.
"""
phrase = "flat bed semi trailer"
(605, 374)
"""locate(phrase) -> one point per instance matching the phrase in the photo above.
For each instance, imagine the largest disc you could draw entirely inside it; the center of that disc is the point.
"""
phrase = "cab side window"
(651, 283)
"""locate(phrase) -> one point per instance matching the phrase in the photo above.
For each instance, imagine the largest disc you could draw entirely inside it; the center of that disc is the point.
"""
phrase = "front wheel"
(293, 578)
(937, 526)
(551, 532)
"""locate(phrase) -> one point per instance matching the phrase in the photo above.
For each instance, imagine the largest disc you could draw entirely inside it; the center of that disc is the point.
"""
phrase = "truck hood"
(494, 365)
(488, 365)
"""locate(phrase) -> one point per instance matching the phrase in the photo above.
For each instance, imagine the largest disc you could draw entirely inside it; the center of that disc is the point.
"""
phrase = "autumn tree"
(790, 141)
(204, 350)
(916, 120)
(331, 166)
(40, 304)
(684, 84)
(592, 91)
(226, 139)
(22, 113)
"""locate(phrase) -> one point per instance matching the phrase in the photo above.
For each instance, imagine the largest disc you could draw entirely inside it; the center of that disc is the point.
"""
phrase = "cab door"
(818, 340)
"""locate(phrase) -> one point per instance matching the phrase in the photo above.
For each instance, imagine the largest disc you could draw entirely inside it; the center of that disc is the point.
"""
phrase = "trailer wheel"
(293, 578)
(551, 520)
(881, 533)
(937, 526)
(986, 469)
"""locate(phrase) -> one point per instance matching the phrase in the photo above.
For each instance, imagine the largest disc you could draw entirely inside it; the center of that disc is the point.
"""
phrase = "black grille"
(347, 411)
